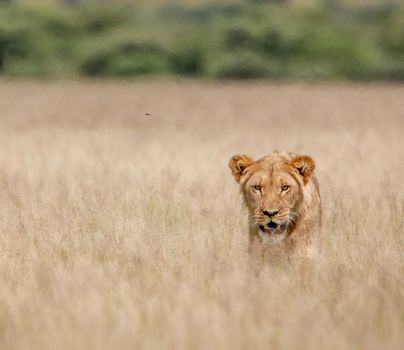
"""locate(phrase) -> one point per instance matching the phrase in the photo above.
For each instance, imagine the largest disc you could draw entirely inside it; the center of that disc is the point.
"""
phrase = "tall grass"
(120, 230)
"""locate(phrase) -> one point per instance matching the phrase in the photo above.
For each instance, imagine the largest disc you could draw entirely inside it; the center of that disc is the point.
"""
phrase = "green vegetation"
(252, 40)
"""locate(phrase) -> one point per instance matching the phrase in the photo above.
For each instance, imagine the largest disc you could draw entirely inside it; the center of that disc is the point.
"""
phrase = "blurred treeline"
(275, 39)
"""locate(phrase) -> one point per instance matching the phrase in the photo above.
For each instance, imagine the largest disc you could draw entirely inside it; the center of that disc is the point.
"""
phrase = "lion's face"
(273, 190)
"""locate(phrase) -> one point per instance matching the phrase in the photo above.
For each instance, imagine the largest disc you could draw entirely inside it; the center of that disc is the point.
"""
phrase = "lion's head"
(274, 190)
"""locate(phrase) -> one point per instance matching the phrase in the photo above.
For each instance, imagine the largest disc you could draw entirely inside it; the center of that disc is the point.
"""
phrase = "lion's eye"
(285, 188)
(257, 187)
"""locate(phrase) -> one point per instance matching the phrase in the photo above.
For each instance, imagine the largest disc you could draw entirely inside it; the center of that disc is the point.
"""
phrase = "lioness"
(282, 196)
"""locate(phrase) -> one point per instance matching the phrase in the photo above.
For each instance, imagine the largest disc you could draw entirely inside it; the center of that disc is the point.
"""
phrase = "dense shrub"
(19, 48)
(238, 65)
(187, 55)
(101, 19)
(126, 58)
(251, 40)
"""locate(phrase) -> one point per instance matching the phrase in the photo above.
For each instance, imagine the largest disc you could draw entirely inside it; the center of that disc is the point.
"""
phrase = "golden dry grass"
(121, 231)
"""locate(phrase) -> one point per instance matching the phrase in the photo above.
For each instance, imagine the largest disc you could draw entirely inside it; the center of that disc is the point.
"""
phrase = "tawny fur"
(286, 184)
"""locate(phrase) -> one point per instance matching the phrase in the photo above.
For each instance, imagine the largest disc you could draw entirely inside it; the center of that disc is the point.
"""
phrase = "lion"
(282, 196)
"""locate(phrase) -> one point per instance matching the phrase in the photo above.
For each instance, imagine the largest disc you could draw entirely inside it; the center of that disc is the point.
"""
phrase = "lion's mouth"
(273, 227)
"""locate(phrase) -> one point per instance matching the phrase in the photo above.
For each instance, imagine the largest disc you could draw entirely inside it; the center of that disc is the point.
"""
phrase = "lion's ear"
(304, 165)
(238, 164)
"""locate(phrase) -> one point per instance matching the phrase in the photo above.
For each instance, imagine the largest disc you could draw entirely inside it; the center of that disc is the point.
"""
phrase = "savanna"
(121, 226)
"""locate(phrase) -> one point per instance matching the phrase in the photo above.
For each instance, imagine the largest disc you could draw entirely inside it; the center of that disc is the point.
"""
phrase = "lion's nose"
(270, 213)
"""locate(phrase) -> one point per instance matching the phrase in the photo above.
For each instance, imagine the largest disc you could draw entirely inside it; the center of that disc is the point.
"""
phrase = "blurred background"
(222, 39)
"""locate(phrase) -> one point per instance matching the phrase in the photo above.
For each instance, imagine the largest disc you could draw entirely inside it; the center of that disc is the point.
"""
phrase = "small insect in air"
(147, 115)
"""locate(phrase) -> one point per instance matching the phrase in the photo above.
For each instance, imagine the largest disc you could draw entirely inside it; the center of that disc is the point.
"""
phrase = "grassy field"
(126, 231)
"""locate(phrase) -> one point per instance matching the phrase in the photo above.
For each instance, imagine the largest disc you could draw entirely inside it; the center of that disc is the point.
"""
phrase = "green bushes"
(239, 65)
(187, 55)
(256, 40)
(127, 57)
